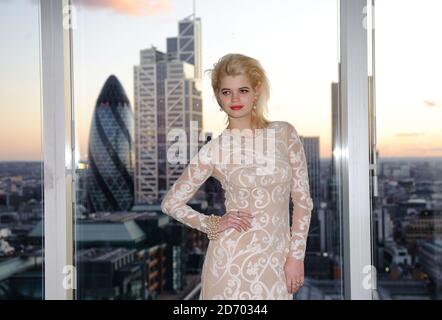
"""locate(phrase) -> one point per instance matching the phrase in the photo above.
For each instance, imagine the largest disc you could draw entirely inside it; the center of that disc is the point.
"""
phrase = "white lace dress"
(249, 265)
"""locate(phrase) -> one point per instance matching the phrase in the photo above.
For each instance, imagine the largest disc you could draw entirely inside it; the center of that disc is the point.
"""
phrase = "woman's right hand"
(235, 219)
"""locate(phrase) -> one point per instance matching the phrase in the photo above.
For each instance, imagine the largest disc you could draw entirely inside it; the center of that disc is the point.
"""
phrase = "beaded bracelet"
(212, 227)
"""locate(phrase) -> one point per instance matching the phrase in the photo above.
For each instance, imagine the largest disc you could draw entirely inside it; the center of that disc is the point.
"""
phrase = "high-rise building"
(430, 256)
(333, 226)
(334, 172)
(311, 149)
(167, 102)
(110, 156)
(187, 45)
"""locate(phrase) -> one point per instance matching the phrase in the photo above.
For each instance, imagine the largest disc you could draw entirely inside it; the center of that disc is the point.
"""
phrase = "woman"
(252, 253)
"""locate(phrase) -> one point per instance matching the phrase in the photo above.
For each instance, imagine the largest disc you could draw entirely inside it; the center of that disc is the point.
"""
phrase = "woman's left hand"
(294, 274)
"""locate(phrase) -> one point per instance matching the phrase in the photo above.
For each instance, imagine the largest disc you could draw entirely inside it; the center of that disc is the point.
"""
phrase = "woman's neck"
(241, 125)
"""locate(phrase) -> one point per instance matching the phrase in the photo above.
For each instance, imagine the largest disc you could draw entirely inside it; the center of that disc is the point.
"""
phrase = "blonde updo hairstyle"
(236, 64)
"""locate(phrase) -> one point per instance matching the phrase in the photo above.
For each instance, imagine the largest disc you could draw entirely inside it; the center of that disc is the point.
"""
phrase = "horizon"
(321, 158)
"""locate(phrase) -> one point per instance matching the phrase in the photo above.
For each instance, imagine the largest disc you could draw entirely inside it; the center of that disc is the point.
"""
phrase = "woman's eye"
(244, 91)
(225, 92)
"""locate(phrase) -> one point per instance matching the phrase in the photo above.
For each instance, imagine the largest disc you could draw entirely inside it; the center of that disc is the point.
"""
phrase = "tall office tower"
(335, 136)
(166, 102)
(334, 211)
(110, 174)
(311, 149)
(187, 45)
(149, 100)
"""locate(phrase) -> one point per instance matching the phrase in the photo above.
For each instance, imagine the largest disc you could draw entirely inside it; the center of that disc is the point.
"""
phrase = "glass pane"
(407, 213)
(139, 74)
(21, 159)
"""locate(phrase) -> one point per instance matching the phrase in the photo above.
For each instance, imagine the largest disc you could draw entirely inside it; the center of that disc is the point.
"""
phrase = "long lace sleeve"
(194, 175)
(300, 194)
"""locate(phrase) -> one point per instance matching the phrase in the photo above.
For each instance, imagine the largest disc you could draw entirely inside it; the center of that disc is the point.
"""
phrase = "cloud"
(431, 104)
(409, 134)
(130, 7)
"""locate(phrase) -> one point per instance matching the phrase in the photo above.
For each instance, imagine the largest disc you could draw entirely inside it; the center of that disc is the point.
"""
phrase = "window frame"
(58, 146)
(353, 153)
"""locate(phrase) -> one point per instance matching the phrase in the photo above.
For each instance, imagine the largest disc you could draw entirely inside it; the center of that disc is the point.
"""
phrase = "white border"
(57, 151)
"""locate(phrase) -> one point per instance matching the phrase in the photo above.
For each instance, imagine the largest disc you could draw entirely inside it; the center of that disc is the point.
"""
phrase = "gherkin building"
(110, 184)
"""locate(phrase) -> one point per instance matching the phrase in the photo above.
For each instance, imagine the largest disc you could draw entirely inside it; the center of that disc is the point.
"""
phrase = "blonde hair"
(234, 64)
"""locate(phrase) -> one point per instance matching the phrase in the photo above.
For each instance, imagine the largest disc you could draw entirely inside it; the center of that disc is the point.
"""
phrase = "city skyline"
(407, 191)
(416, 135)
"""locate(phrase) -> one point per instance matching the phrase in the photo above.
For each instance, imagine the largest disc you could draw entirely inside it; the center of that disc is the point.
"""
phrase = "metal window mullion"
(57, 152)
(355, 150)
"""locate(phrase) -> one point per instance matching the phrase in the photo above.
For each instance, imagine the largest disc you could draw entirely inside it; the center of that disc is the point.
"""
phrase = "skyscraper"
(167, 97)
(334, 207)
(110, 154)
(311, 149)
(187, 46)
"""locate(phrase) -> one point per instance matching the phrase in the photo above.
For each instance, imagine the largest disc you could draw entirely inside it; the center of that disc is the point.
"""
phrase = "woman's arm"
(193, 176)
(300, 193)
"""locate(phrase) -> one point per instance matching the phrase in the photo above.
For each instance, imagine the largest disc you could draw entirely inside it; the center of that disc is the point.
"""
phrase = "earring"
(220, 109)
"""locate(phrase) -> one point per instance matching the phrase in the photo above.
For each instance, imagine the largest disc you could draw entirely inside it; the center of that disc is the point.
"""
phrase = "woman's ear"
(257, 92)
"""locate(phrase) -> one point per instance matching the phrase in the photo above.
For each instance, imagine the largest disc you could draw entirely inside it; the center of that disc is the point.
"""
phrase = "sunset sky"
(296, 42)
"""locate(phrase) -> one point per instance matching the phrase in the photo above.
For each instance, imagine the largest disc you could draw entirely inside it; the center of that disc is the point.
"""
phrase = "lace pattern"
(249, 265)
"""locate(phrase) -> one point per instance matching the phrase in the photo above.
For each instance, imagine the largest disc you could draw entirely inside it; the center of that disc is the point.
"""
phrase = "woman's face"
(237, 91)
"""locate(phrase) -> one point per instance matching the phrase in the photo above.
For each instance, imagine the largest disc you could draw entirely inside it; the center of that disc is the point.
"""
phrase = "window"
(127, 98)
(21, 154)
(104, 76)
(407, 212)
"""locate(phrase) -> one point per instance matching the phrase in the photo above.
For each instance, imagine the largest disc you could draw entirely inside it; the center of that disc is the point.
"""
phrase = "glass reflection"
(407, 216)
(21, 160)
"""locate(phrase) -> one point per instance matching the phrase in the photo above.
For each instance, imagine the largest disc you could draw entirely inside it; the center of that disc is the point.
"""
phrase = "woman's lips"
(236, 107)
